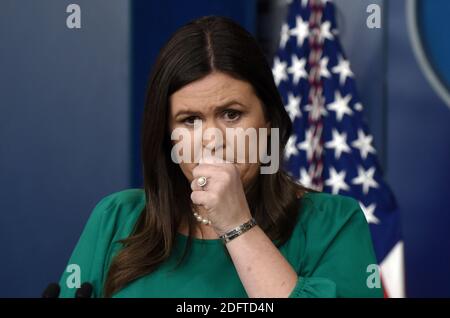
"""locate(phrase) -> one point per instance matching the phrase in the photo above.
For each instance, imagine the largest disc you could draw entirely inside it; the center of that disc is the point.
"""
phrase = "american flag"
(331, 149)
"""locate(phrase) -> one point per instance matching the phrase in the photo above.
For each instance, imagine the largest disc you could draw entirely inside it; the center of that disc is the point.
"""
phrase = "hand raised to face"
(222, 197)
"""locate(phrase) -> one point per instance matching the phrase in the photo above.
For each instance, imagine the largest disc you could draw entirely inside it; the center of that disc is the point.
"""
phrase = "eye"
(232, 115)
(190, 121)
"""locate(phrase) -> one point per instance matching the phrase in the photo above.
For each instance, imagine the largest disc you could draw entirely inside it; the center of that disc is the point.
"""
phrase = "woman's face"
(218, 101)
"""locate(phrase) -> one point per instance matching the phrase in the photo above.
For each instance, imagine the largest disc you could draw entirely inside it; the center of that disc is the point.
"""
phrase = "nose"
(213, 137)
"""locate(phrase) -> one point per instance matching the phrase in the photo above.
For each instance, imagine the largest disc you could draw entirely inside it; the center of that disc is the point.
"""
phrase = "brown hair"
(202, 46)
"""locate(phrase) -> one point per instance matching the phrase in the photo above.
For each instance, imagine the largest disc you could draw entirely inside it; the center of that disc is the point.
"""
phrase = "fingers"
(200, 198)
(212, 160)
(218, 174)
(208, 170)
(195, 186)
(205, 198)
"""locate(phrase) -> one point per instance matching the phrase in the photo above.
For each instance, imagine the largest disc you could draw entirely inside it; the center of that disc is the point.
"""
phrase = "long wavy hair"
(205, 45)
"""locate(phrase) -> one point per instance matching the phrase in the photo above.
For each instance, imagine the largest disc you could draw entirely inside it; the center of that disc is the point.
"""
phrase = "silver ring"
(201, 181)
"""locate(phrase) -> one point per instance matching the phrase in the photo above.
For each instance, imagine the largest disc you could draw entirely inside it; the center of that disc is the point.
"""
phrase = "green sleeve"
(339, 258)
(314, 287)
(90, 252)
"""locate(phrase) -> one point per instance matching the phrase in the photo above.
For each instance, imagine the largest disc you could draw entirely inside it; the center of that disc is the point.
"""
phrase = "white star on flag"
(325, 32)
(324, 67)
(368, 213)
(309, 144)
(364, 144)
(340, 105)
(305, 178)
(316, 111)
(279, 71)
(336, 181)
(338, 143)
(301, 30)
(284, 38)
(290, 149)
(365, 179)
(293, 106)
(343, 69)
(297, 69)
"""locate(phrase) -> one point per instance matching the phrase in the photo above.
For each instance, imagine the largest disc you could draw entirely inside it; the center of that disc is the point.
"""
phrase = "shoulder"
(328, 208)
(119, 207)
(322, 200)
(325, 217)
(124, 198)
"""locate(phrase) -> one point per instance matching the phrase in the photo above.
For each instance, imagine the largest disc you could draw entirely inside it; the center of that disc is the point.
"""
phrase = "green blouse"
(330, 249)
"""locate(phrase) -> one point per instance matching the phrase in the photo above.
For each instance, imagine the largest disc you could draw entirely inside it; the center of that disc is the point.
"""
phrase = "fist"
(223, 197)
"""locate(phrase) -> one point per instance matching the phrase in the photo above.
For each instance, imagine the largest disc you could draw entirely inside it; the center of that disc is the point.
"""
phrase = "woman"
(175, 237)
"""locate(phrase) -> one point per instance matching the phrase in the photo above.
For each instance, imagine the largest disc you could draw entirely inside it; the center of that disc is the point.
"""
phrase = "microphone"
(85, 291)
(52, 291)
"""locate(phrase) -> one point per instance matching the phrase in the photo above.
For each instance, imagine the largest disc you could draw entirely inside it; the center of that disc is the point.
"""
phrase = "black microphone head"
(85, 291)
(52, 291)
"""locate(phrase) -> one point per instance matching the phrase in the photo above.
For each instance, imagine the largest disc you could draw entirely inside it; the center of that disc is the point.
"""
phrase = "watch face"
(429, 28)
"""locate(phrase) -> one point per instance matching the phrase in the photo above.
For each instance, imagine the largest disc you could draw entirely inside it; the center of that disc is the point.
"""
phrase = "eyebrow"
(218, 108)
